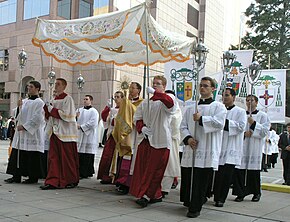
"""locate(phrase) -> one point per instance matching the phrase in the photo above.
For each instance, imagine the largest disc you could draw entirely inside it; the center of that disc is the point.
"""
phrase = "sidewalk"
(91, 201)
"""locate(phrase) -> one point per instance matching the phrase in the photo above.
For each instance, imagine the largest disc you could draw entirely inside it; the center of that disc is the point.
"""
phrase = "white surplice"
(32, 119)
(173, 167)
(253, 146)
(88, 132)
(157, 120)
(272, 146)
(232, 144)
(66, 127)
(209, 136)
(109, 121)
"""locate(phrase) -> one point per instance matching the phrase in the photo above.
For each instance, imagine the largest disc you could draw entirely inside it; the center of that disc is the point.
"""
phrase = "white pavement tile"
(87, 213)
(48, 217)
(17, 209)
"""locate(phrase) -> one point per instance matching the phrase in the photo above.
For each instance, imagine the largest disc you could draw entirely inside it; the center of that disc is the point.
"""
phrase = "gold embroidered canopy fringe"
(117, 37)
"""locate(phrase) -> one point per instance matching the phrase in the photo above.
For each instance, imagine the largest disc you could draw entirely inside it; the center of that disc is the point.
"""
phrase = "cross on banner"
(188, 90)
(266, 97)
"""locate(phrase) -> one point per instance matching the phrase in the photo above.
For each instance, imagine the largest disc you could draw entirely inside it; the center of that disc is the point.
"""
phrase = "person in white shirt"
(108, 116)
(172, 171)
(87, 120)
(208, 121)
(61, 129)
(247, 179)
(232, 147)
(28, 140)
(153, 151)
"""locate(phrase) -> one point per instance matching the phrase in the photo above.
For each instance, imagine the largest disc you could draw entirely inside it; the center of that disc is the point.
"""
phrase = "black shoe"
(256, 197)
(71, 185)
(30, 181)
(143, 202)
(219, 204)
(192, 214)
(265, 170)
(105, 182)
(47, 187)
(239, 199)
(152, 201)
(273, 165)
(186, 204)
(122, 191)
(164, 193)
(13, 180)
(174, 185)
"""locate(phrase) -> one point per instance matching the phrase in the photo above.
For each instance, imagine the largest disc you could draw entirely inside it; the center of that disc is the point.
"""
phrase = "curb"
(276, 187)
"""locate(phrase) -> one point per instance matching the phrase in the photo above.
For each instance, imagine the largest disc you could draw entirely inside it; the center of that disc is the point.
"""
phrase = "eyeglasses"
(204, 85)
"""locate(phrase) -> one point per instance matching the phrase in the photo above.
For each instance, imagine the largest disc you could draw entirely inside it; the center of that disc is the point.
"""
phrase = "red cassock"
(149, 169)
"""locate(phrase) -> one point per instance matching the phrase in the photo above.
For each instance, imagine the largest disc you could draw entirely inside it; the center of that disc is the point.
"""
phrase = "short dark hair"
(232, 91)
(288, 124)
(255, 97)
(36, 84)
(91, 97)
(121, 93)
(64, 82)
(212, 81)
(137, 85)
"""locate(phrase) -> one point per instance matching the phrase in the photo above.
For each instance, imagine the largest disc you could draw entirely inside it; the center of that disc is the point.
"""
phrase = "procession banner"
(236, 78)
(271, 92)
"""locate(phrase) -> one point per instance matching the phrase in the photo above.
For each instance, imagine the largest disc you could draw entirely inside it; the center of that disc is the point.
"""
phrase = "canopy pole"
(147, 52)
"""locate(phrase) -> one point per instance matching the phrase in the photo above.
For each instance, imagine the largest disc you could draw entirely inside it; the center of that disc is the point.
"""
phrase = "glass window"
(101, 7)
(84, 9)
(35, 8)
(4, 60)
(64, 8)
(8, 12)
(192, 16)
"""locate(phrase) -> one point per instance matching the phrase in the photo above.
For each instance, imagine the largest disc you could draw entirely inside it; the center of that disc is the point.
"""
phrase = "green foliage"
(270, 24)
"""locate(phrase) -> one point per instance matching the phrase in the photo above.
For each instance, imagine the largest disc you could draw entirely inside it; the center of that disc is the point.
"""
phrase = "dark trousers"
(286, 169)
(252, 185)
(201, 182)
(223, 181)
(266, 161)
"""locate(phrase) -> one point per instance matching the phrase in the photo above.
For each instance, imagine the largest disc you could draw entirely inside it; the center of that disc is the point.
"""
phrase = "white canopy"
(117, 37)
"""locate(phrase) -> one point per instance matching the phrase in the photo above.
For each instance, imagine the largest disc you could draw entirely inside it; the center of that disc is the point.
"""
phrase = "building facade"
(194, 18)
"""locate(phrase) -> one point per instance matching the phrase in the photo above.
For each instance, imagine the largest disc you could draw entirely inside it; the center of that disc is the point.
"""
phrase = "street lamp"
(51, 80)
(80, 84)
(254, 72)
(199, 54)
(22, 59)
(228, 60)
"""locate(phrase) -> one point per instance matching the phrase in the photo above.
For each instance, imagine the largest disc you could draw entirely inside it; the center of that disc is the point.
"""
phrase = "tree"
(270, 32)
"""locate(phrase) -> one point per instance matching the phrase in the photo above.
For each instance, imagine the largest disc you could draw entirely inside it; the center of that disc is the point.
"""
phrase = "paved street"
(91, 201)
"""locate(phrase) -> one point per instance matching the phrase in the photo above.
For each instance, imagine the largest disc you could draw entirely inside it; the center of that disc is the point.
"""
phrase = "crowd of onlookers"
(7, 127)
